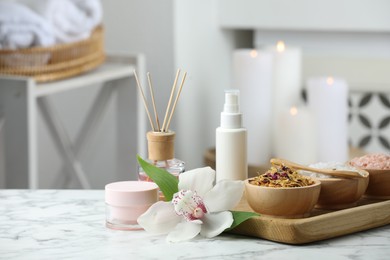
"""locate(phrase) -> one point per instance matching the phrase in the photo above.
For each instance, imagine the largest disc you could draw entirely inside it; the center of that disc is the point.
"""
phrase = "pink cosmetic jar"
(126, 201)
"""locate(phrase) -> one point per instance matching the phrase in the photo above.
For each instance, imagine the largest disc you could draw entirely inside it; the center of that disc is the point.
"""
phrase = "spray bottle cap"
(231, 117)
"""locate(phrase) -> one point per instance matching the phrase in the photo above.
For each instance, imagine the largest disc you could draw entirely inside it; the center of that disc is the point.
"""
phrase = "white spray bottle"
(231, 141)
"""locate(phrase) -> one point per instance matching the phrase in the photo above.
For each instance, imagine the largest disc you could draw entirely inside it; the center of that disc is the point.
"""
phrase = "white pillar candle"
(252, 75)
(295, 136)
(328, 101)
(286, 80)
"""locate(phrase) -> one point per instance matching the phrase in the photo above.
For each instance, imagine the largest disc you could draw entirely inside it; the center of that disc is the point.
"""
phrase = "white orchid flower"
(198, 207)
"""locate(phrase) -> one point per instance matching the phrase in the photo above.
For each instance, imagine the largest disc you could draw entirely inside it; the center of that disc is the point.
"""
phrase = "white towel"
(72, 20)
(20, 27)
(93, 11)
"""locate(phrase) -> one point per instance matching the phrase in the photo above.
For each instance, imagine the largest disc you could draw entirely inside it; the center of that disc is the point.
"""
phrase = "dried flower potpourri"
(281, 176)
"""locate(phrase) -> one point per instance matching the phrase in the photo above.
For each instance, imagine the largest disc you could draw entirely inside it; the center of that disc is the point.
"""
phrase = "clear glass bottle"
(161, 153)
(173, 166)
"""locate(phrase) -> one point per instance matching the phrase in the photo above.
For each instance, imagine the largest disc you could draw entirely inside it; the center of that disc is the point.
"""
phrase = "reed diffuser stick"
(170, 100)
(144, 100)
(153, 102)
(177, 98)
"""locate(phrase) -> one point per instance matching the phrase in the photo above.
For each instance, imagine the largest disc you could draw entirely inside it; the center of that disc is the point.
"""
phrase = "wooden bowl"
(379, 185)
(296, 202)
(341, 193)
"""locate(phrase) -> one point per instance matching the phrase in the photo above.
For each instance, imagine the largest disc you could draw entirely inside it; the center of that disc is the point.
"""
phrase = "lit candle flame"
(280, 47)
(253, 53)
(330, 81)
(293, 111)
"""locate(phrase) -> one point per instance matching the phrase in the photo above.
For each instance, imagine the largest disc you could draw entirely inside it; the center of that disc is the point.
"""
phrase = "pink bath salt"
(372, 161)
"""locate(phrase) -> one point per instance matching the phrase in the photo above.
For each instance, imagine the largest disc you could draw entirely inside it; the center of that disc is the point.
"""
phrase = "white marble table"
(69, 224)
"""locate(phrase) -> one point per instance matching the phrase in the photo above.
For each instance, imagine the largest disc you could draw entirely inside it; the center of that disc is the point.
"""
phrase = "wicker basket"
(55, 62)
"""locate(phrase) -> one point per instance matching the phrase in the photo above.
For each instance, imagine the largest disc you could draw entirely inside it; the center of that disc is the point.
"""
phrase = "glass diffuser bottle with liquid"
(161, 153)
(161, 145)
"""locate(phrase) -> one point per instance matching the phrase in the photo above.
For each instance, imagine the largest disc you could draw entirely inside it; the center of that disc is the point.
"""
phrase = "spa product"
(126, 201)
(328, 103)
(161, 144)
(231, 141)
(333, 166)
(161, 153)
(282, 202)
(281, 176)
(252, 75)
(378, 165)
(372, 161)
(336, 192)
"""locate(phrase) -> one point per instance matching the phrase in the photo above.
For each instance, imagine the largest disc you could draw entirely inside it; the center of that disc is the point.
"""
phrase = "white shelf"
(106, 72)
(21, 99)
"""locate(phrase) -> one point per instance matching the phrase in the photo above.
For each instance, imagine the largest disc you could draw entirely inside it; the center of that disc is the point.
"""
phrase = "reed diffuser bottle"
(231, 141)
(161, 153)
(161, 145)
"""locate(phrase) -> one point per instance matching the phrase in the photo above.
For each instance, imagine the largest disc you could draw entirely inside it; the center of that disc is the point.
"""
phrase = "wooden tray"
(322, 224)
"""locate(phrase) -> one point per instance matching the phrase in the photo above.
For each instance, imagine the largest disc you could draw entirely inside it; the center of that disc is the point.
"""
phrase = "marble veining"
(70, 224)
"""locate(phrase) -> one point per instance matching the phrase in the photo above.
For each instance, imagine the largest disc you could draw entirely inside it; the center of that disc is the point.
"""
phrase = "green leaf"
(241, 216)
(167, 183)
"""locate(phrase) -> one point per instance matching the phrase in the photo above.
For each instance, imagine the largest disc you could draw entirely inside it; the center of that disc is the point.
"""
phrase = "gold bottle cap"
(161, 145)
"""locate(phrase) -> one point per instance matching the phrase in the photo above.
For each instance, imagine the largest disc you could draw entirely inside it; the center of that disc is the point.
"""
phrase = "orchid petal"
(185, 231)
(160, 218)
(224, 196)
(215, 223)
(200, 180)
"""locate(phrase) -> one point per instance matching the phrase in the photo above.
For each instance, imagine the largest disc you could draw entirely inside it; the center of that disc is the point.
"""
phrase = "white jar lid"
(131, 193)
